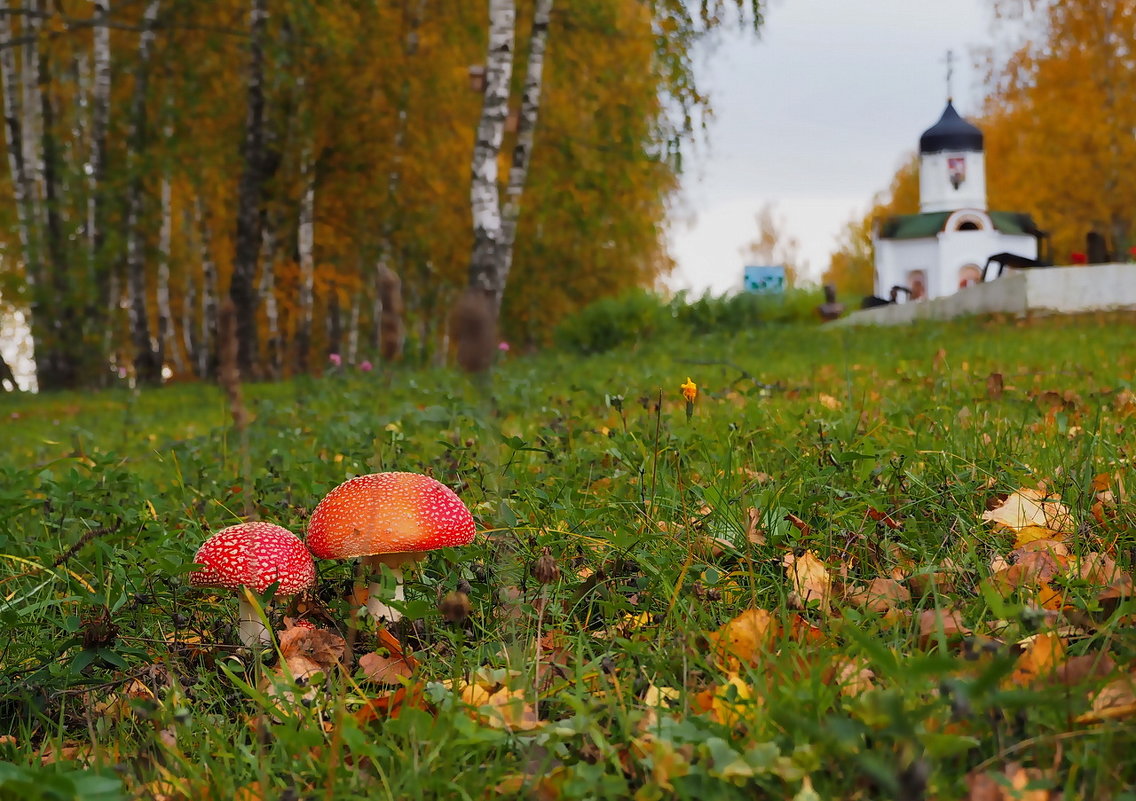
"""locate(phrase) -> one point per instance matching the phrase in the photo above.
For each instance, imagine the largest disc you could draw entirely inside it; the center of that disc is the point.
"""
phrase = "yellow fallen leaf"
(733, 702)
(810, 579)
(1032, 514)
(744, 639)
(1040, 659)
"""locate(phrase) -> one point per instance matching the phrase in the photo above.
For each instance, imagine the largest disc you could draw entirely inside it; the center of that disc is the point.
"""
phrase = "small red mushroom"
(254, 555)
(388, 519)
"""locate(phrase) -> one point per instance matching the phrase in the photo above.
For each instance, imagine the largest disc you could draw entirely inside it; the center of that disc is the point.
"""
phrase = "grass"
(864, 454)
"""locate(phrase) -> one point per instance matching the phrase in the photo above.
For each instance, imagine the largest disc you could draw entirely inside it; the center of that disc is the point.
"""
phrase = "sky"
(815, 116)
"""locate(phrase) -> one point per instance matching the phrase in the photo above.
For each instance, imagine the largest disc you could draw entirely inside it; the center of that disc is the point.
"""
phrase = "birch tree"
(485, 194)
(242, 288)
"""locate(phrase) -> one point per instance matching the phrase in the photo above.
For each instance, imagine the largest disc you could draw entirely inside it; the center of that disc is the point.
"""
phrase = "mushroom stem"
(376, 608)
(253, 632)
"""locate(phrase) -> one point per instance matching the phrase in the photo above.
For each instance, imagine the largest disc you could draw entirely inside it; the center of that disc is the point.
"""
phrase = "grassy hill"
(797, 588)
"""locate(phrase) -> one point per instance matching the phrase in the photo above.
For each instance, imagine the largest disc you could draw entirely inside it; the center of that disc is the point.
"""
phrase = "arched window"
(967, 222)
(969, 274)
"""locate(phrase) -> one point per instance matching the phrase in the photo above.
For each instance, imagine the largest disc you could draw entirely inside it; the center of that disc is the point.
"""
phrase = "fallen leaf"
(410, 696)
(744, 639)
(885, 518)
(754, 533)
(320, 646)
(1040, 659)
(1032, 514)
(828, 402)
(949, 621)
(809, 578)
(733, 702)
(1080, 669)
(881, 595)
(1115, 701)
(389, 667)
(852, 675)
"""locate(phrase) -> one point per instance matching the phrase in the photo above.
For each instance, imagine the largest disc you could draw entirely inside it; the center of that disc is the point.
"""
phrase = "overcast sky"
(815, 116)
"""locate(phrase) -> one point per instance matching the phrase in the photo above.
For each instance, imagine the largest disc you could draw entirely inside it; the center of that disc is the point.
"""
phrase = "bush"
(637, 315)
(610, 322)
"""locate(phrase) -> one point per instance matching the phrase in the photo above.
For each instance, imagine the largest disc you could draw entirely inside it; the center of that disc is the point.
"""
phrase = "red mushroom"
(388, 519)
(254, 555)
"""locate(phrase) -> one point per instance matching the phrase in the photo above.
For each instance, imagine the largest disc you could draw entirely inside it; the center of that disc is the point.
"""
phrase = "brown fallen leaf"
(809, 578)
(1080, 669)
(1032, 514)
(885, 518)
(390, 663)
(1115, 701)
(949, 621)
(754, 533)
(324, 648)
(880, 596)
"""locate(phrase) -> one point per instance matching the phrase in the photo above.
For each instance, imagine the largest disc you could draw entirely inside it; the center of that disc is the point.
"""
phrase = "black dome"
(951, 132)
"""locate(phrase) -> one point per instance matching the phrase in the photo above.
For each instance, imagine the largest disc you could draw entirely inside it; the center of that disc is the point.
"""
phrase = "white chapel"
(945, 247)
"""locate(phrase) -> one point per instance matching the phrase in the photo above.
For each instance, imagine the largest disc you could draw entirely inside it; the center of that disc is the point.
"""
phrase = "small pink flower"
(365, 366)
(503, 347)
(335, 359)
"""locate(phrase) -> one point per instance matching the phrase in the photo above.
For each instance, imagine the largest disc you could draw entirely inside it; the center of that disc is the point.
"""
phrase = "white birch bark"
(207, 336)
(147, 366)
(267, 293)
(305, 244)
(167, 339)
(522, 150)
(485, 200)
(100, 114)
(14, 136)
(32, 124)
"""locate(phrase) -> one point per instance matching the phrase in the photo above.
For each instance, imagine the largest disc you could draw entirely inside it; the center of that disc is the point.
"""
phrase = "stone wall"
(1059, 290)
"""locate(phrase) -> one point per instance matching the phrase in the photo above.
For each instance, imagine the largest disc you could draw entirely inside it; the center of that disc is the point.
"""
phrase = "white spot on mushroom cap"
(255, 555)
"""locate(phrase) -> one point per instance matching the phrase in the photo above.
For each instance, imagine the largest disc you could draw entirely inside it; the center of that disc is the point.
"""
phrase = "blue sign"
(767, 279)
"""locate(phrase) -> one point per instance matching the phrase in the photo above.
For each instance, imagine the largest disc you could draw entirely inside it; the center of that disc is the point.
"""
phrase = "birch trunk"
(206, 357)
(167, 339)
(485, 201)
(305, 244)
(188, 338)
(96, 172)
(267, 293)
(522, 150)
(242, 289)
(147, 359)
(64, 356)
(23, 190)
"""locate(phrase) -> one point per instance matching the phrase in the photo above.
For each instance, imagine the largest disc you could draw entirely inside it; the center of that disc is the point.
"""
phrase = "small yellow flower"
(689, 390)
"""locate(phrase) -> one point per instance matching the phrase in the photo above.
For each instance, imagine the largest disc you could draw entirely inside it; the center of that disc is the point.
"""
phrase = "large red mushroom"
(388, 519)
(254, 555)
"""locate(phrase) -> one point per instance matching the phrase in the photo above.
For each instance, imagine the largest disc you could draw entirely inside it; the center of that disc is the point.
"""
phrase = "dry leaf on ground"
(810, 579)
(949, 621)
(390, 663)
(881, 595)
(744, 639)
(1039, 661)
(1115, 701)
(1033, 514)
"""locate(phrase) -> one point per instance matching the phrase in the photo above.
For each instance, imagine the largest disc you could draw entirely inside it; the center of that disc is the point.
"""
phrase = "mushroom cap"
(254, 555)
(388, 513)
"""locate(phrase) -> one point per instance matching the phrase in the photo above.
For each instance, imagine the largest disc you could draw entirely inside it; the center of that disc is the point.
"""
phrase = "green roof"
(920, 226)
